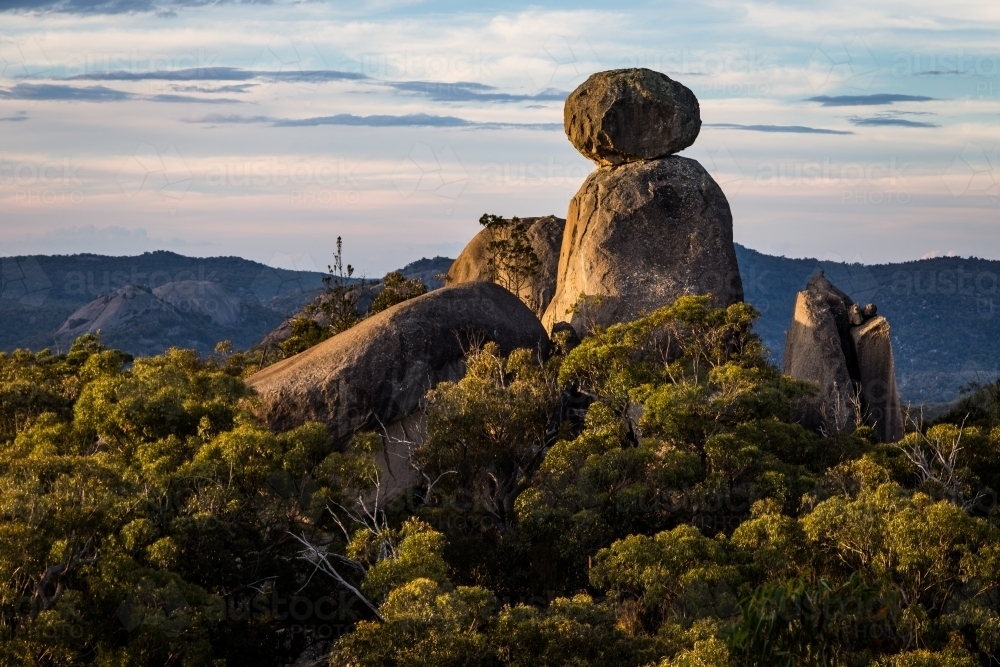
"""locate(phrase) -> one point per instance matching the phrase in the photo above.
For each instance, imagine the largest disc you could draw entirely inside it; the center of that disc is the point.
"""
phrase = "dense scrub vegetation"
(644, 498)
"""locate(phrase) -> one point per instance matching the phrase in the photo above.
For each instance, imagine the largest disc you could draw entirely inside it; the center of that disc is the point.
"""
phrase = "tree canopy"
(645, 498)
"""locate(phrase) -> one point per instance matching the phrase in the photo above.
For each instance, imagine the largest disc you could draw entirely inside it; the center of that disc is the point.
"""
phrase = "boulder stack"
(647, 226)
(845, 350)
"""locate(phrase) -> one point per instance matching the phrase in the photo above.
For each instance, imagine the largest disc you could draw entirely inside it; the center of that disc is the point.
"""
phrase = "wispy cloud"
(223, 74)
(167, 97)
(229, 119)
(19, 116)
(60, 92)
(405, 120)
(464, 91)
(92, 7)
(412, 120)
(876, 99)
(55, 92)
(235, 88)
(437, 91)
(887, 120)
(793, 129)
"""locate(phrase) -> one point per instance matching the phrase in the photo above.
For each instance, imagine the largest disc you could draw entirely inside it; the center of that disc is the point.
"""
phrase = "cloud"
(464, 91)
(89, 7)
(229, 119)
(54, 91)
(877, 99)
(406, 120)
(223, 74)
(20, 115)
(438, 91)
(188, 98)
(64, 93)
(887, 120)
(235, 88)
(794, 129)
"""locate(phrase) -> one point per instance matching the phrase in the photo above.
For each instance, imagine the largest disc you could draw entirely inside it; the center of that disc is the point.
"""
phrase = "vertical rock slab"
(814, 352)
(638, 236)
(880, 396)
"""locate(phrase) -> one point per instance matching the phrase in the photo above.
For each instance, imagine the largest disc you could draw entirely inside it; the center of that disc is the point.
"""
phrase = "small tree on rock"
(512, 261)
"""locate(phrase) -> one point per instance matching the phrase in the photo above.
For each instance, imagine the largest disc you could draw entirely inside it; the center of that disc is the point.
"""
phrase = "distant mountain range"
(943, 311)
(147, 303)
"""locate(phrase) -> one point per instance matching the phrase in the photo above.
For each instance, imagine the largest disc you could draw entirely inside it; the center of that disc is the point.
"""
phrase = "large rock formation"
(640, 235)
(378, 371)
(125, 308)
(628, 115)
(202, 297)
(845, 350)
(877, 371)
(814, 351)
(545, 235)
(640, 232)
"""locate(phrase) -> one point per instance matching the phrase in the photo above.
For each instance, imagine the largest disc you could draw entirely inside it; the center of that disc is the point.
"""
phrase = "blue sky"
(865, 131)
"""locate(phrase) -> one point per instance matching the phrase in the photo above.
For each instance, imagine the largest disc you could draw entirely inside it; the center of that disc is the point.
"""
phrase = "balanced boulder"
(545, 235)
(637, 237)
(377, 372)
(627, 115)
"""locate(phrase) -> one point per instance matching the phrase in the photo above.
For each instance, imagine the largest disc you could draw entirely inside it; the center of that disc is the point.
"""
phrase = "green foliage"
(979, 405)
(340, 304)
(396, 289)
(799, 622)
(144, 514)
(339, 308)
(487, 433)
(646, 498)
(511, 259)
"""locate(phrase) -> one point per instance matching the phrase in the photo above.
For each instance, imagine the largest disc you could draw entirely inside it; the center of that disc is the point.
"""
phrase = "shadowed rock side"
(203, 297)
(873, 345)
(398, 440)
(628, 115)
(124, 308)
(379, 370)
(637, 237)
(846, 350)
(813, 352)
(545, 235)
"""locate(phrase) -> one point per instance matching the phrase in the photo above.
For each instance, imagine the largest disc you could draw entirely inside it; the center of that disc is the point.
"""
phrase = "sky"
(854, 131)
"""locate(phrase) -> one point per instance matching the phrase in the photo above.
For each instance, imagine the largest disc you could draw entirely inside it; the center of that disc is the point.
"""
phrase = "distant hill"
(943, 311)
(39, 292)
(152, 301)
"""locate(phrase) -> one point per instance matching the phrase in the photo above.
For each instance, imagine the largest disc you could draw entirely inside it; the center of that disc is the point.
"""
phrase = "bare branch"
(319, 558)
